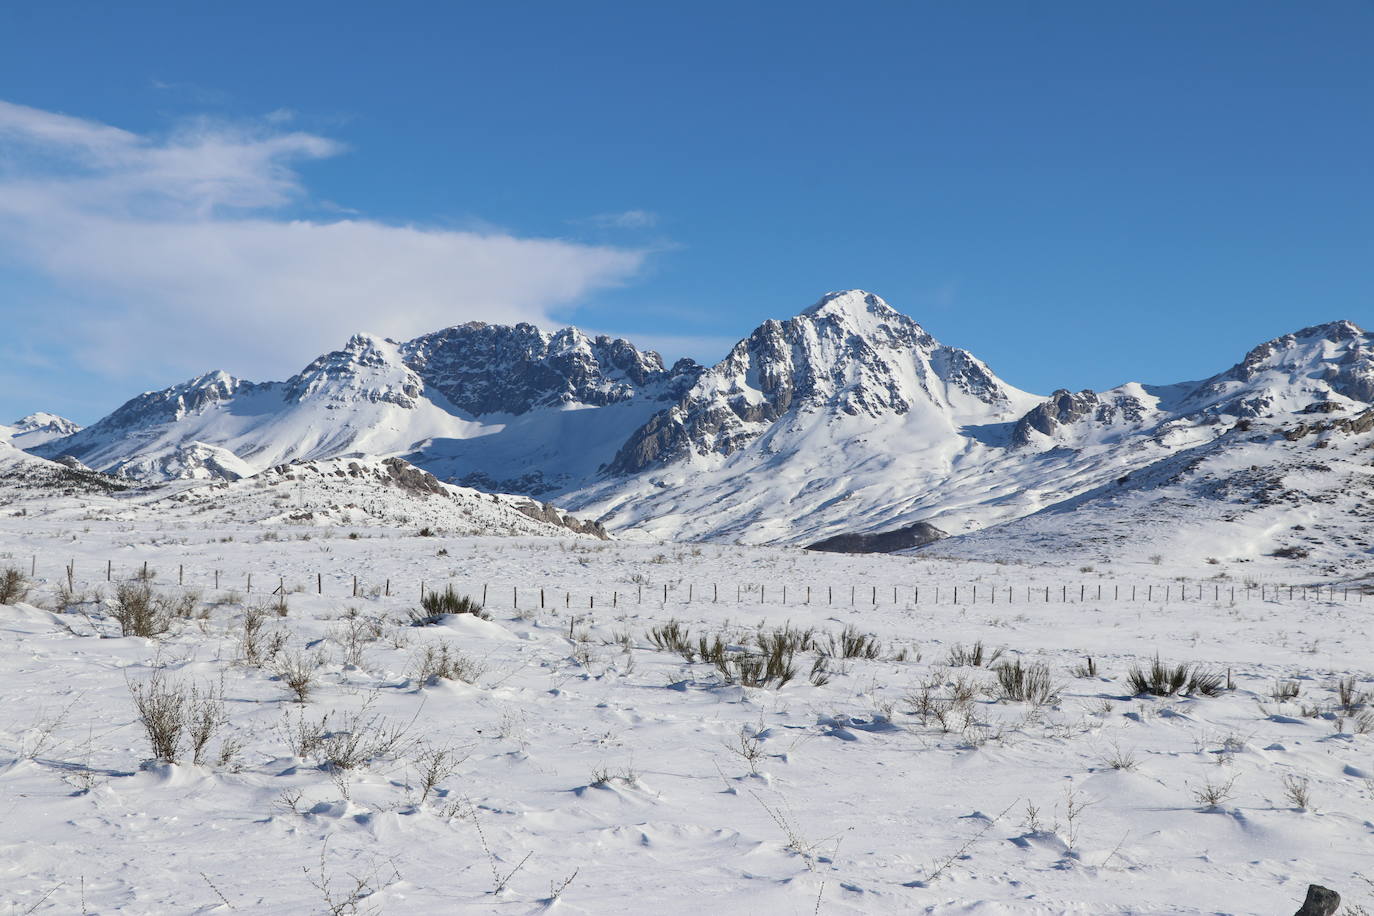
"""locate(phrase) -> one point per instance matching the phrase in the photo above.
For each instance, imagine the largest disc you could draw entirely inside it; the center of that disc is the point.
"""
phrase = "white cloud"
(177, 252)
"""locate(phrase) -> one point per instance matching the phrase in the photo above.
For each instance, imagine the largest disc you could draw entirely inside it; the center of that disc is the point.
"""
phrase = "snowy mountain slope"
(1275, 492)
(367, 492)
(29, 484)
(356, 493)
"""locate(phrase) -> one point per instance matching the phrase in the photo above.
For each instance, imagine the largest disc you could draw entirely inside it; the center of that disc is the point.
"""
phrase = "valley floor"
(577, 766)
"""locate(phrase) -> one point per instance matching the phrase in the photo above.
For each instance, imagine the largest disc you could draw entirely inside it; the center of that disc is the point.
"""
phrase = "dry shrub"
(14, 587)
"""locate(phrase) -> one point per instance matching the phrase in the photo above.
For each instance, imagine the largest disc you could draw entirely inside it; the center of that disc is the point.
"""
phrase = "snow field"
(581, 749)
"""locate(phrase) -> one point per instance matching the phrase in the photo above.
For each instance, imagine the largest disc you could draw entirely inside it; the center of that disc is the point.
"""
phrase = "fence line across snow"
(349, 585)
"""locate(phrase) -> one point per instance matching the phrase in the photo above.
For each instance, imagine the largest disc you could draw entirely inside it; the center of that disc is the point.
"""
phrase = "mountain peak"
(1332, 331)
(850, 302)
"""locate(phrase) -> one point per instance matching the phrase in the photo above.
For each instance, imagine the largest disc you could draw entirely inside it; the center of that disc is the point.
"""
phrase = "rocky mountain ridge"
(848, 418)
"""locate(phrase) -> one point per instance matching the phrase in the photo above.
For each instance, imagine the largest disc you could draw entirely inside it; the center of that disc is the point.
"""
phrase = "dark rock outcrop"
(1321, 901)
(917, 535)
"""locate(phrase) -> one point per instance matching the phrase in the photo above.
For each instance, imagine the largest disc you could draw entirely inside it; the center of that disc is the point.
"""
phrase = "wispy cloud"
(628, 219)
(179, 250)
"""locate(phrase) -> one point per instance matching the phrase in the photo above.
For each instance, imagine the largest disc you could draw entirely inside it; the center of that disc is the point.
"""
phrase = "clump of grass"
(442, 662)
(774, 665)
(852, 643)
(1285, 689)
(1349, 696)
(975, 656)
(1121, 759)
(437, 604)
(784, 640)
(673, 637)
(1163, 680)
(1087, 669)
(14, 586)
(1211, 794)
(1026, 683)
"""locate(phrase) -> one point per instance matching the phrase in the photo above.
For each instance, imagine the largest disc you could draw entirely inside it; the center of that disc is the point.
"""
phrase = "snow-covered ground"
(584, 769)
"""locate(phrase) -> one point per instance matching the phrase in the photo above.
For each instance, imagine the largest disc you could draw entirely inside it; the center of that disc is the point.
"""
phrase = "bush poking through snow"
(140, 611)
(257, 647)
(1026, 683)
(14, 588)
(441, 662)
(1161, 680)
(171, 711)
(346, 742)
(434, 765)
(1212, 794)
(1298, 789)
(162, 712)
(297, 672)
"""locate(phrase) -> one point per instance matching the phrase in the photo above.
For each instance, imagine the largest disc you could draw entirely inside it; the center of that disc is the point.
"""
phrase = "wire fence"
(520, 596)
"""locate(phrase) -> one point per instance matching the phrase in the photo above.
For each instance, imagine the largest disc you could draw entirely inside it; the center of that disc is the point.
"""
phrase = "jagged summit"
(37, 428)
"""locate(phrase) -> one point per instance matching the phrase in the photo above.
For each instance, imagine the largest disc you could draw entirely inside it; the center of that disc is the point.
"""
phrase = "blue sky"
(1080, 193)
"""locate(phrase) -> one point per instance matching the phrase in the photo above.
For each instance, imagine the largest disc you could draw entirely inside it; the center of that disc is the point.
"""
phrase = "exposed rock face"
(484, 369)
(850, 354)
(410, 478)
(1338, 355)
(1061, 409)
(917, 535)
(545, 512)
(1321, 901)
(367, 370)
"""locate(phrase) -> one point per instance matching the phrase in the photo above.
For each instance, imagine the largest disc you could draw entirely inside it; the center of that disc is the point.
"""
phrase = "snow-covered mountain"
(509, 408)
(848, 418)
(37, 429)
(1276, 491)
